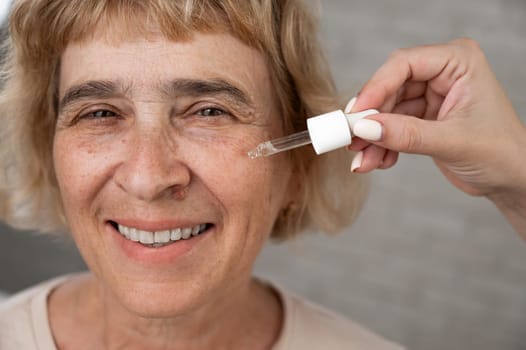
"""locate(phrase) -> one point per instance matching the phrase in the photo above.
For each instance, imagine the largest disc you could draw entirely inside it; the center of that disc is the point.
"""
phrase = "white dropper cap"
(332, 130)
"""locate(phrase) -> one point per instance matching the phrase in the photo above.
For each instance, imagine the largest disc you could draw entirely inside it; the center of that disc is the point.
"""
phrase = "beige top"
(24, 324)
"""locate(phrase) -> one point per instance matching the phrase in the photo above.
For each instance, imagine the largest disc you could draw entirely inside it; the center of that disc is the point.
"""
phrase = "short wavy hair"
(284, 31)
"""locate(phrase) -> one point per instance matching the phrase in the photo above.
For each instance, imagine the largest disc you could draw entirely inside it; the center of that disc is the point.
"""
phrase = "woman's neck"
(83, 314)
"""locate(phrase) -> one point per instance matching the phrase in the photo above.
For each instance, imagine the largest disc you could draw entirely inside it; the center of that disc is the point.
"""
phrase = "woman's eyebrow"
(105, 89)
(197, 87)
(99, 89)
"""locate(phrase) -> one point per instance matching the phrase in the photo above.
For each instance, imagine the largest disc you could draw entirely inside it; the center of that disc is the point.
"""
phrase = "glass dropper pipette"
(281, 144)
(326, 132)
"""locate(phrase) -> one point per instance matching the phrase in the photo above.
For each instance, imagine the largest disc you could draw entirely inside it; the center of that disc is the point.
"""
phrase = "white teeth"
(176, 234)
(160, 238)
(134, 234)
(187, 232)
(146, 237)
(125, 231)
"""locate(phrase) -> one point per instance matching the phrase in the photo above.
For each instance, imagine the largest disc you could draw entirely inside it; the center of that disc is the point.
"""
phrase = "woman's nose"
(152, 169)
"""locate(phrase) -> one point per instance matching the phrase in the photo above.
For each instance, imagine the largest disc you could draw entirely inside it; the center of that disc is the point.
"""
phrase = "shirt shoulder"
(310, 326)
(23, 318)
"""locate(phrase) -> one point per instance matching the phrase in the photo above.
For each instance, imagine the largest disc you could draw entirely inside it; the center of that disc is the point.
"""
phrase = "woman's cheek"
(222, 164)
(82, 164)
(226, 152)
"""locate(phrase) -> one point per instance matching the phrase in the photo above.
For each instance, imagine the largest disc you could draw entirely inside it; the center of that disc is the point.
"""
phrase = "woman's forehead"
(208, 62)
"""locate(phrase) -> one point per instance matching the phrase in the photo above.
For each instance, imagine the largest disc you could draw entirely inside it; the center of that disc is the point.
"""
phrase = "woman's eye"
(211, 112)
(103, 113)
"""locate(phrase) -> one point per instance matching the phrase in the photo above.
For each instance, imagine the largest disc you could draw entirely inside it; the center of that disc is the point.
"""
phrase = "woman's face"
(151, 144)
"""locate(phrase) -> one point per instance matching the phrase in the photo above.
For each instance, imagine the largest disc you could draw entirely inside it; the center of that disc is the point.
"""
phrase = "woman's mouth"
(158, 239)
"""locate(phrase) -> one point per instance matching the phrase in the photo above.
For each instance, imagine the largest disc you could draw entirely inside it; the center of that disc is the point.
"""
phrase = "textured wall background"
(424, 265)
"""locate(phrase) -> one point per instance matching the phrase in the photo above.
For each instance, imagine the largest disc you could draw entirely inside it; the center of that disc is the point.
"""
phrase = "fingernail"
(350, 105)
(357, 161)
(368, 129)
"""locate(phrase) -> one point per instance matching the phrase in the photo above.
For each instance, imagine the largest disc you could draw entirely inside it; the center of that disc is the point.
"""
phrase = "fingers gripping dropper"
(326, 132)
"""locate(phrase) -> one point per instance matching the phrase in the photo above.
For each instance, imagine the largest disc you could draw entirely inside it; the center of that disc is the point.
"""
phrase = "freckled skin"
(141, 165)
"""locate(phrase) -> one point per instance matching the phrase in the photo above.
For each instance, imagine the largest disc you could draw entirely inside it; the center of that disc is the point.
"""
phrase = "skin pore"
(153, 135)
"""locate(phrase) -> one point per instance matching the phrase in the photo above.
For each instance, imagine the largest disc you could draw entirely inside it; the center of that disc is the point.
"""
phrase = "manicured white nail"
(368, 129)
(357, 161)
(349, 106)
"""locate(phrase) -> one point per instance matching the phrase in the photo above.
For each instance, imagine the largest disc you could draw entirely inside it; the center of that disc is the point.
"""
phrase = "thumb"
(403, 133)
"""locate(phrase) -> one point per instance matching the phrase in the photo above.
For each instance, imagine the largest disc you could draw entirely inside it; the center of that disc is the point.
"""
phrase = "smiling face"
(151, 143)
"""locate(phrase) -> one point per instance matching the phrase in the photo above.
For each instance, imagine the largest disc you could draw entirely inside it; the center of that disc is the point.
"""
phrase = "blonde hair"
(283, 30)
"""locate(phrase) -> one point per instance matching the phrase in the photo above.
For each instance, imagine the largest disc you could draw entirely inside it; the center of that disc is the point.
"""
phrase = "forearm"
(515, 213)
(513, 207)
(511, 199)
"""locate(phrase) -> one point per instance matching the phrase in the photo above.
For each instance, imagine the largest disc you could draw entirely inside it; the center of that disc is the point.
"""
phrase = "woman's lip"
(151, 256)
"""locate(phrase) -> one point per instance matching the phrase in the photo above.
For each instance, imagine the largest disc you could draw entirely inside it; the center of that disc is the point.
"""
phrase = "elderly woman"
(127, 124)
